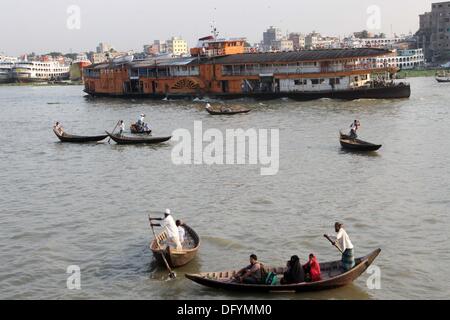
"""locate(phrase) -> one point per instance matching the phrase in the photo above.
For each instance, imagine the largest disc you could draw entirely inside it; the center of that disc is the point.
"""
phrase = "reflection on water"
(88, 205)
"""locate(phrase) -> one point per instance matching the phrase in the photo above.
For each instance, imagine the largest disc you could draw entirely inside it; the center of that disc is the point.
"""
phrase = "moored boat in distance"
(333, 276)
(137, 140)
(39, 71)
(176, 258)
(222, 70)
(443, 77)
(68, 138)
(225, 110)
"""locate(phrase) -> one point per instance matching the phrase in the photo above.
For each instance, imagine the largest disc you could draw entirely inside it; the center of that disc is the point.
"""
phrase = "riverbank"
(417, 73)
(50, 83)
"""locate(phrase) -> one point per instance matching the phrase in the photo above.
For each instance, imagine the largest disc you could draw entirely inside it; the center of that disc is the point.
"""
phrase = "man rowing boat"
(354, 127)
(344, 243)
(171, 229)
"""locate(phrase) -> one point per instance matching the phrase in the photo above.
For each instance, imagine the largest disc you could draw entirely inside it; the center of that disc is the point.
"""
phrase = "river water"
(88, 205)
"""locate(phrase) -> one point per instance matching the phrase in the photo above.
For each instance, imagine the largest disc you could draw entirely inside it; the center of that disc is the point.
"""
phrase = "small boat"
(137, 140)
(135, 129)
(65, 137)
(443, 76)
(333, 276)
(443, 79)
(176, 258)
(358, 145)
(228, 113)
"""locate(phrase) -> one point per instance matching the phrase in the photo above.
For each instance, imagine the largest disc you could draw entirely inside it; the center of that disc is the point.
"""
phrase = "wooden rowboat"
(68, 138)
(333, 276)
(137, 140)
(176, 258)
(358, 145)
(230, 113)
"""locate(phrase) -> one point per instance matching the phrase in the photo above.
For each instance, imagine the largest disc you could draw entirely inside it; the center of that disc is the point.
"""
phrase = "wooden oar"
(172, 274)
(333, 243)
(109, 141)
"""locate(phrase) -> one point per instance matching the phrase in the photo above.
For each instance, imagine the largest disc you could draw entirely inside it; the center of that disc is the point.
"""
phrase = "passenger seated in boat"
(353, 129)
(181, 231)
(58, 128)
(225, 109)
(252, 273)
(312, 269)
(294, 273)
(208, 107)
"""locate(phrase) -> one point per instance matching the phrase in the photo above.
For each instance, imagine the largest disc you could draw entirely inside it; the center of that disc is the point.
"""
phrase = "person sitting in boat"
(225, 109)
(208, 107)
(181, 231)
(58, 128)
(354, 127)
(121, 127)
(344, 243)
(169, 224)
(312, 269)
(294, 273)
(252, 274)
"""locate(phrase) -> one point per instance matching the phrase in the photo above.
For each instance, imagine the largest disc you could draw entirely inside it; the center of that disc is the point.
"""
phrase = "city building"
(271, 35)
(158, 47)
(104, 47)
(177, 46)
(298, 40)
(434, 33)
(283, 45)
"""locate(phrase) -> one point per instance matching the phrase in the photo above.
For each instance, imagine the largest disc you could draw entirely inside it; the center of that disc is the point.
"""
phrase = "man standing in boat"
(121, 127)
(354, 127)
(344, 243)
(171, 229)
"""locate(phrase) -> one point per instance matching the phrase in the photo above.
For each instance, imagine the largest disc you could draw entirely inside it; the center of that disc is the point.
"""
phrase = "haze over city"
(130, 25)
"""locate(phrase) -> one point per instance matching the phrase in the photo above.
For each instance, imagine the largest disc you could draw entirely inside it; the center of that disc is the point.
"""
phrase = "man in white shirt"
(354, 127)
(169, 224)
(121, 127)
(344, 243)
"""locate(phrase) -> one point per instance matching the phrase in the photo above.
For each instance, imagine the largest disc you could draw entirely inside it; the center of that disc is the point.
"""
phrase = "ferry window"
(315, 81)
(301, 82)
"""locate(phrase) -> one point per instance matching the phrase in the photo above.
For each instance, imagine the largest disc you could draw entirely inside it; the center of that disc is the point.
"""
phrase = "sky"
(53, 25)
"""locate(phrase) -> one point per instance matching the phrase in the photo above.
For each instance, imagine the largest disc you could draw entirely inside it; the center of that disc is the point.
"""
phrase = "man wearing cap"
(169, 224)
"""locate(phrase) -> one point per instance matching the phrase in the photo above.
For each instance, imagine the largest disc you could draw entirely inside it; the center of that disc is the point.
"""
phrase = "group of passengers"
(295, 272)
(255, 273)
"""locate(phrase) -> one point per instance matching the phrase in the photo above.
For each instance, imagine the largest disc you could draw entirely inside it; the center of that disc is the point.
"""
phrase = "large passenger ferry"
(221, 69)
(39, 71)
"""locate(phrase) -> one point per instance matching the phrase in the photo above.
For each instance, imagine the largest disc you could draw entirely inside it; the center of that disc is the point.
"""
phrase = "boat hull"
(231, 113)
(68, 138)
(123, 140)
(393, 92)
(359, 145)
(337, 281)
(176, 259)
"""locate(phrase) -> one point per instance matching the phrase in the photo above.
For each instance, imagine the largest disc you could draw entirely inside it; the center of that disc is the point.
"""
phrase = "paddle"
(109, 141)
(333, 243)
(172, 274)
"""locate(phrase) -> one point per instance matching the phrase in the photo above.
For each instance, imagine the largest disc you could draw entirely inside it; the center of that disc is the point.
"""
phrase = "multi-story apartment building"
(177, 46)
(298, 40)
(434, 33)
